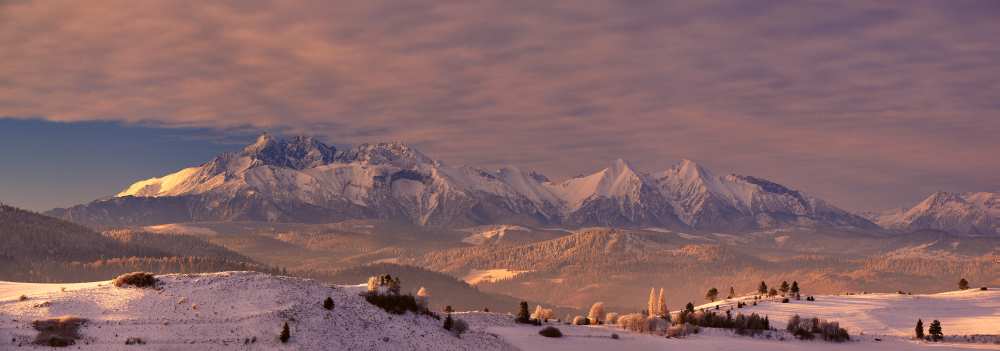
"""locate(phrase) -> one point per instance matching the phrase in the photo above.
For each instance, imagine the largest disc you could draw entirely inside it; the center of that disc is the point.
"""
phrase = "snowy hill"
(964, 213)
(303, 180)
(224, 311)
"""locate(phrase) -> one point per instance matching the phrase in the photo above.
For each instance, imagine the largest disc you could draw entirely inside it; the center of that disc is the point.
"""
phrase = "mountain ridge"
(303, 179)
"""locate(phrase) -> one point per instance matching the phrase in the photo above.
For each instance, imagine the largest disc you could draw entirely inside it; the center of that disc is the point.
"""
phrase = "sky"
(870, 105)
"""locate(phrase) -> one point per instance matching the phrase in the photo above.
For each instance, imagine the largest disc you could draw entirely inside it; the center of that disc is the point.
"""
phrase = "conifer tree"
(919, 330)
(762, 289)
(795, 289)
(328, 303)
(448, 322)
(522, 314)
(448, 309)
(285, 334)
(963, 284)
(732, 293)
(712, 294)
(784, 287)
(689, 307)
(935, 331)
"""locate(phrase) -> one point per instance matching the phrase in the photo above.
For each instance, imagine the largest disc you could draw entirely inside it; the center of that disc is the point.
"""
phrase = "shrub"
(459, 327)
(805, 329)
(614, 336)
(285, 334)
(328, 303)
(58, 332)
(134, 341)
(681, 330)
(22, 298)
(611, 318)
(136, 279)
(580, 320)
(553, 332)
(784, 300)
(983, 288)
(397, 304)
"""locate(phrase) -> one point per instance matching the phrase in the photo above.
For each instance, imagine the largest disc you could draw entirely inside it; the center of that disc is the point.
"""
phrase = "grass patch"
(58, 332)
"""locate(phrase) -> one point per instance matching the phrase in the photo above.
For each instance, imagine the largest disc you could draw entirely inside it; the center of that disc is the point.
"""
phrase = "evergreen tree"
(784, 287)
(762, 289)
(712, 294)
(919, 330)
(795, 288)
(285, 334)
(328, 303)
(732, 293)
(522, 314)
(448, 309)
(935, 331)
(963, 284)
(689, 307)
(772, 292)
(448, 322)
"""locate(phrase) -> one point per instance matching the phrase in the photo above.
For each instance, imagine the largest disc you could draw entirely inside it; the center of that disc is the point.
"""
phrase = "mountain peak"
(386, 153)
(297, 152)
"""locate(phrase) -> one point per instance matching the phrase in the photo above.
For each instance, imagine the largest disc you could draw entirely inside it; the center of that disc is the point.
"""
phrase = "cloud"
(867, 104)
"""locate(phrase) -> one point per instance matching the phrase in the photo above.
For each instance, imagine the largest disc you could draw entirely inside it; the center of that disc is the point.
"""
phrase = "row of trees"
(784, 289)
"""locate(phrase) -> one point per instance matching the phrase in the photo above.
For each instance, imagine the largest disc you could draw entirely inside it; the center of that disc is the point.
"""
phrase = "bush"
(805, 329)
(134, 341)
(983, 288)
(580, 320)
(614, 336)
(459, 327)
(681, 330)
(397, 304)
(784, 300)
(136, 279)
(58, 332)
(611, 318)
(551, 332)
(22, 298)
(328, 303)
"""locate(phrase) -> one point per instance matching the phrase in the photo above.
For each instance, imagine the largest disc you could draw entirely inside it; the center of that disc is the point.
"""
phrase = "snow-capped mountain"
(964, 213)
(303, 180)
(734, 202)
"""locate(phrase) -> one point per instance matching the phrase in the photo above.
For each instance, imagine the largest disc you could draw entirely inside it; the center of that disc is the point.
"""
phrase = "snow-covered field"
(577, 338)
(227, 310)
(960, 312)
(224, 311)
(477, 276)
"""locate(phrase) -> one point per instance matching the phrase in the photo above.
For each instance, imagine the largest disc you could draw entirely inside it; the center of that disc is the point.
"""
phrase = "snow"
(483, 234)
(619, 181)
(180, 228)
(477, 276)
(594, 338)
(963, 312)
(160, 186)
(222, 311)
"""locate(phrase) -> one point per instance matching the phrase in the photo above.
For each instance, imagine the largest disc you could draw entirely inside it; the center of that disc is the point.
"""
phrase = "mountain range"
(301, 179)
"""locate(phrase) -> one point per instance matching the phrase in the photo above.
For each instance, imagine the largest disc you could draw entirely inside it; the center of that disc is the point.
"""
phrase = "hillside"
(40, 248)
(224, 311)
(444, 289)
(619, 266)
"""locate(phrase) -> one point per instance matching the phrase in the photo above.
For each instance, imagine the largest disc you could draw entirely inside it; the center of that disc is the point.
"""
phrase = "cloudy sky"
(868, 104)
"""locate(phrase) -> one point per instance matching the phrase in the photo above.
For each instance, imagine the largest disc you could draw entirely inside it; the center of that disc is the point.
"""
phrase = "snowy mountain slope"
(225, 311)
(965, 213)
(704, 200)
(303, 180)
